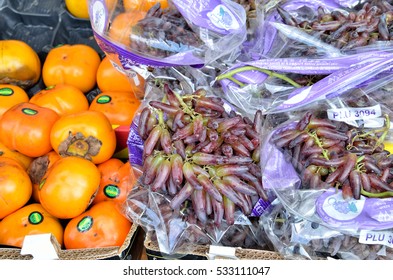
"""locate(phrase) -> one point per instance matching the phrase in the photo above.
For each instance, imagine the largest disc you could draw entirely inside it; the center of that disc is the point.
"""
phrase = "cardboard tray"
(201, 252)
(128, 251)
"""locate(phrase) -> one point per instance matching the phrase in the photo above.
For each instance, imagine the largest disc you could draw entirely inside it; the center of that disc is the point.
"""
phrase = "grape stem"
(377, 195)
(317, 141)
(380, 140)
(229, 75)
(184, 106)
(160, 118)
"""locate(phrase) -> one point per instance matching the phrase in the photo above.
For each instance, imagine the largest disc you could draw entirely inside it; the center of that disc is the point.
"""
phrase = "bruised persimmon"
(38, 169)
(19, 64)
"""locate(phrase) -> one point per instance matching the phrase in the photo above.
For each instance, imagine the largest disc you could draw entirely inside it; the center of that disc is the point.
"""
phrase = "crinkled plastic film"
(284, 84)
(178, 231)
(323, 28)
(297, 238)
(153, 207)
(176, 33)
(306, 173)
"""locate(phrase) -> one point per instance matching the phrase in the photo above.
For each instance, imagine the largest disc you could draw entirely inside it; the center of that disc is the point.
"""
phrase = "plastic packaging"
(297, 238)
(283, 84)
(184, 33)
(325, 28)
(178, 231)
(197, 207)
(338, 140)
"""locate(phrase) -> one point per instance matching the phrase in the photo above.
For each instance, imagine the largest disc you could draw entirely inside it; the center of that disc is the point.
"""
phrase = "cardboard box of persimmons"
(65, 113)
(63, 170)
(55, 207)
(59, 175)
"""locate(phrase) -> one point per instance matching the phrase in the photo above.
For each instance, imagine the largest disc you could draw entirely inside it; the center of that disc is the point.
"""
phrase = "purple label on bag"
(130, 58)
(260, 207)
(212, 15)
(335, 84)
(306, 66)
(135, 145)
(365, 213)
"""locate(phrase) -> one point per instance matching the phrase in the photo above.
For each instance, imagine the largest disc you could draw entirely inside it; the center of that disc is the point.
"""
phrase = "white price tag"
(351, 114)
(376, 237)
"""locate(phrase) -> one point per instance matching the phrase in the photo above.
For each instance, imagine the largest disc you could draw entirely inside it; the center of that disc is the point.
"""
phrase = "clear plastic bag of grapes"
(289, 65)
(298, 238)
(141, 34)
(297, 28)
(198, 159)
(329, 160)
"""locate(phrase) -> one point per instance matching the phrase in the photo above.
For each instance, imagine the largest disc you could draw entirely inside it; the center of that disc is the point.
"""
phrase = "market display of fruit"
(125, 116)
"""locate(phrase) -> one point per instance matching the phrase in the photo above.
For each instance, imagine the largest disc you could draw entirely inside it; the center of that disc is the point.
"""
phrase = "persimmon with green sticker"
(69, 187)
(26, 128)
(103, 225)
(63, 99)
(11, 95)
(87, 134)
(118, 107)
(29, 220)
(117, 180)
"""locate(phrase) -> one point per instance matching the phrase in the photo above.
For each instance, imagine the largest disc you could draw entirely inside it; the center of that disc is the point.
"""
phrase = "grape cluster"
(332, 154)
(196, 151)
(365, 26)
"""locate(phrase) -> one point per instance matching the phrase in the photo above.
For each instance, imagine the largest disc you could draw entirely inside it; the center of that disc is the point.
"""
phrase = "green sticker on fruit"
(104, 99)
(35, 218)
(112, 191)
(6, 92)
(85, 224)
(29, 111)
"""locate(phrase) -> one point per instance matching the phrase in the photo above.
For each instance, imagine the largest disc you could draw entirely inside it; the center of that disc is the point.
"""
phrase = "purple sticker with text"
(260, 207)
